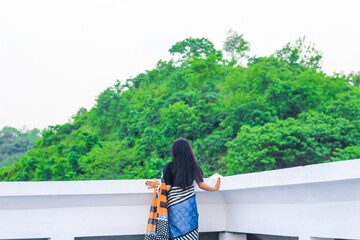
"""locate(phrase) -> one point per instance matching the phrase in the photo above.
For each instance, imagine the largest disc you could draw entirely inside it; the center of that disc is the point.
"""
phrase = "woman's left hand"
(151, 184)
(217, 185)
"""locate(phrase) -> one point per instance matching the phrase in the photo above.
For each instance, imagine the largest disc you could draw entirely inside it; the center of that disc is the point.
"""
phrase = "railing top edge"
(327, 172)
(316, 173)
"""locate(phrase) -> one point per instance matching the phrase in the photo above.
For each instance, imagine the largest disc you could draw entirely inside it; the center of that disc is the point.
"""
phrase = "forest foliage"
(15, 143)
(242, 114)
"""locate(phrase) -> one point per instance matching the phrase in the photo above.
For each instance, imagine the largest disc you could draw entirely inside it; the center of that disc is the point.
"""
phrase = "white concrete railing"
(316, 201)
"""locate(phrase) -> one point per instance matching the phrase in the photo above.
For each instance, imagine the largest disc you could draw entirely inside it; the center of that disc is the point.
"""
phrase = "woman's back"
(184, 168)
(173, 178)
(179, 176)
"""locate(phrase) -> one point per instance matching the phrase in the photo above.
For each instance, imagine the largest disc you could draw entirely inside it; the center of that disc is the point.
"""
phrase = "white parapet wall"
(319, 201)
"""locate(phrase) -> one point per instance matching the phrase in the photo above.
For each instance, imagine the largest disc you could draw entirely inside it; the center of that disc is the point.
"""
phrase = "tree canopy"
(277, 111)
(15, 143)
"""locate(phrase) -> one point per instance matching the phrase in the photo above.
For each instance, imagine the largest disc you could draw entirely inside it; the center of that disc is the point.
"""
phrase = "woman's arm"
(151, 184)
(206, 187)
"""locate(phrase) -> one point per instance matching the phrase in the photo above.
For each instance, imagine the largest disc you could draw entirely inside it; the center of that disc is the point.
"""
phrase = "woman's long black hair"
(186, 167)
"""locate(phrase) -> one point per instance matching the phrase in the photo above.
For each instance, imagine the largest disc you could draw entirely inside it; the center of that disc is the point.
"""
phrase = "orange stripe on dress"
(152, 215)
(163, 211)
(151, 227)
(161, 201)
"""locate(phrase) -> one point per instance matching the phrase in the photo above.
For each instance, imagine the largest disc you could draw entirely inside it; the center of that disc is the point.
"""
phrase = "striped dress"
(182, 214)
(173, 215)
(182, 210)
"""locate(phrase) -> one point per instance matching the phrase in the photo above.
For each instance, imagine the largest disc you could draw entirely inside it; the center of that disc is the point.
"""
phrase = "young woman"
(179, 176)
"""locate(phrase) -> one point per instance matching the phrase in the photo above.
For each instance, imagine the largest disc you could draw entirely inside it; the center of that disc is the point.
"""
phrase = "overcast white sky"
(57, 56)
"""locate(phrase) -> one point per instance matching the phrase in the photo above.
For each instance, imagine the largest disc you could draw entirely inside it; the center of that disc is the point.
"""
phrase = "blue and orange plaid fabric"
(158, 226)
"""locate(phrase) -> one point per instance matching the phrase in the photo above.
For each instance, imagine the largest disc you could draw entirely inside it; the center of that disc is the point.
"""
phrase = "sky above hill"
(57, 56)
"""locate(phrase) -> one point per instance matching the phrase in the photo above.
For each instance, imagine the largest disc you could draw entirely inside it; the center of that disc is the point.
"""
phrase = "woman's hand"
(151, 184)
(206, 187)
(217, 185)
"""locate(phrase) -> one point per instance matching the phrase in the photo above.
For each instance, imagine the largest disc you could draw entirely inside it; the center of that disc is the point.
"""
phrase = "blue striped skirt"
(182, 214)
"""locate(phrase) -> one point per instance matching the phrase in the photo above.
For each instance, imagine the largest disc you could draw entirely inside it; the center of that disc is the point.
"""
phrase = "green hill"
(15, 143)
(272, 112)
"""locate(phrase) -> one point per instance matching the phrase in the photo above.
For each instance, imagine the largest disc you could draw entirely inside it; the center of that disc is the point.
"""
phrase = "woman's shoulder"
(167, 173)
(168, 166)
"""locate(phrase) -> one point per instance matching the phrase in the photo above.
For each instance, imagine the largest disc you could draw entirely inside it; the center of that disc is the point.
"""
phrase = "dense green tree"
(235, 45)
(274, 112)
(15, 143)
(312, 138)
(351, 152)
(193, 47)
(301, 53)
(354, 78)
